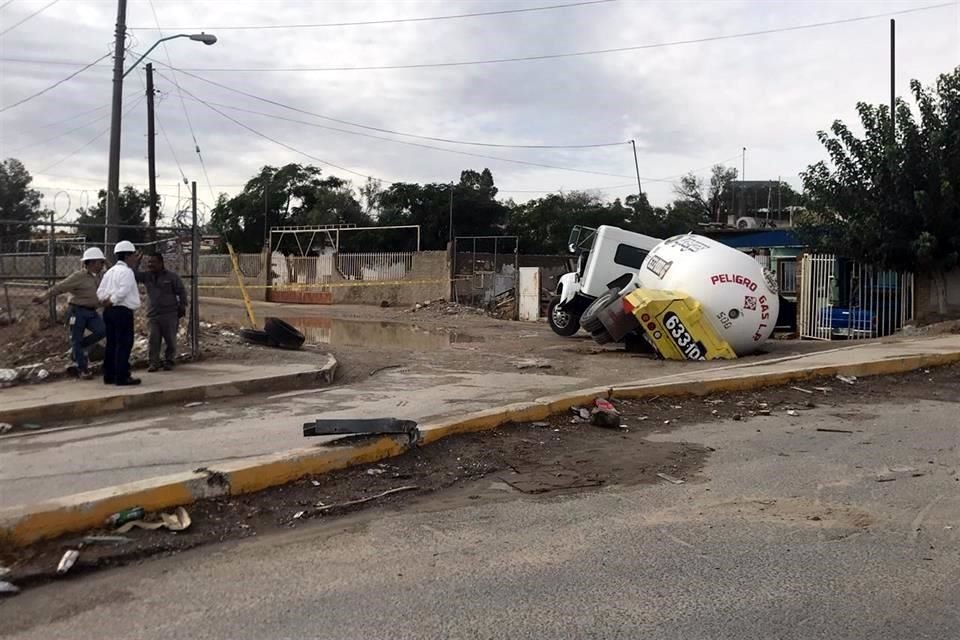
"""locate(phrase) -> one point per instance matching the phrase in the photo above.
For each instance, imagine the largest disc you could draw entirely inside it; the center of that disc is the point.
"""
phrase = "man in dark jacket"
(167, 303)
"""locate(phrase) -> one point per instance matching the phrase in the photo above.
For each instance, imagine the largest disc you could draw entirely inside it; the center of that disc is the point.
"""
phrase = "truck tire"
(255, 336)
(589, 320)
(283, 334)
(564, 322)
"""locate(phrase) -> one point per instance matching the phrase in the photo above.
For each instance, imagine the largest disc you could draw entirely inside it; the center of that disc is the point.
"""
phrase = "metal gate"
(844, 299)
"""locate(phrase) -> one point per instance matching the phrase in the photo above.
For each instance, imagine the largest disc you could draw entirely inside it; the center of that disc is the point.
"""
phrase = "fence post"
(195, 280)
(52, 268)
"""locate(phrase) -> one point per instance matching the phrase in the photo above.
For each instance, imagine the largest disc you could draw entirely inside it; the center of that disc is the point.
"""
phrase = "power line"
(163, 132)
(29, 17)
(59, 135)
(54, 85)
(193, 134)
(5, 4)
(275, 141)
(413, 144)
(392, 131)
(372, 22)
(574, 54)
(658, 45)
(88, 142)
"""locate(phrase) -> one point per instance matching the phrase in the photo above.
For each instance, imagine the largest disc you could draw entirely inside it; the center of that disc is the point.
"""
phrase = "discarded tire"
(255, 336)
(283, 334)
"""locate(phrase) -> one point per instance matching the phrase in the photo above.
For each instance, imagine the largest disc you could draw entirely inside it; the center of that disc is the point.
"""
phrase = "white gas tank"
(738, 295)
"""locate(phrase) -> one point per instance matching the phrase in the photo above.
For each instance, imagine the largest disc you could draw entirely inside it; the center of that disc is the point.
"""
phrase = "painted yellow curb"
(29, 523)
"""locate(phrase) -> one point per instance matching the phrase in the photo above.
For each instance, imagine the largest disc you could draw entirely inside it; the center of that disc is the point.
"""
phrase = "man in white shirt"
(120, 298)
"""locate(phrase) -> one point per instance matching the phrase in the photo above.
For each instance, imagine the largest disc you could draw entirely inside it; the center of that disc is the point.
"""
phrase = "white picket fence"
(850, 300)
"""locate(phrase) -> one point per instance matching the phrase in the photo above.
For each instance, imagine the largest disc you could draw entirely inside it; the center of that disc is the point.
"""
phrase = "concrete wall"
(429, 279)
(226, 286)
(926, 309)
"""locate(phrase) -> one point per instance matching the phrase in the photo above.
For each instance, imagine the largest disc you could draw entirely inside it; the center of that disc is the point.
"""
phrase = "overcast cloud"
(688, 106)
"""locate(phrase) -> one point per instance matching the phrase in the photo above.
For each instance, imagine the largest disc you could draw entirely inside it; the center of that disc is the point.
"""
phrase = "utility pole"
(636, 165)
(151, 154)
(195, 275)
(111, 234)
(266, 209)
(893, 76)
(451, 213)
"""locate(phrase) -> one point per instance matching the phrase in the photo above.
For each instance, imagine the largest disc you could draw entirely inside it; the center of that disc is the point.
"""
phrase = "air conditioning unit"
(747, 222)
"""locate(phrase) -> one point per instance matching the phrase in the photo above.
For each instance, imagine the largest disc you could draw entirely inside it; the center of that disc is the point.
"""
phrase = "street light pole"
(113, 172)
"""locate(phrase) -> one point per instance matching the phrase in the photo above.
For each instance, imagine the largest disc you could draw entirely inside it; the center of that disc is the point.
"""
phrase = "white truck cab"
(607, 258)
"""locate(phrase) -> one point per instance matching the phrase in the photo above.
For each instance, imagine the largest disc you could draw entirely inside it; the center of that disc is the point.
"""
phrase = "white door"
(529, 293)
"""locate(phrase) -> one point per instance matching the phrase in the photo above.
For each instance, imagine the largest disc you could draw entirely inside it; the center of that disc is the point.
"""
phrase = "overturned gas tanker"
(693, 298)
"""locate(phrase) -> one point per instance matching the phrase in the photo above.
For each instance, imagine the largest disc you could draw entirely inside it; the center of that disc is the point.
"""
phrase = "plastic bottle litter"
(127, 515)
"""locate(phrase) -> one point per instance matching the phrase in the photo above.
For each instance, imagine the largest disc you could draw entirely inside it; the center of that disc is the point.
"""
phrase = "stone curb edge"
(93, 407)
(24, 524)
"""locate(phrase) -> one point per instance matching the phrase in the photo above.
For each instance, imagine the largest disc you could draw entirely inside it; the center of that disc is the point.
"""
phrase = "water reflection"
(363, 333)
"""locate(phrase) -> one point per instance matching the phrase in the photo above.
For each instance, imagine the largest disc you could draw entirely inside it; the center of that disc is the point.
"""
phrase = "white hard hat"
(124, 246)
(93, 253)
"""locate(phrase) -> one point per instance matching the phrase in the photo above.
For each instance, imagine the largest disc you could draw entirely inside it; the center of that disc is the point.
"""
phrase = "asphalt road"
(787, 533)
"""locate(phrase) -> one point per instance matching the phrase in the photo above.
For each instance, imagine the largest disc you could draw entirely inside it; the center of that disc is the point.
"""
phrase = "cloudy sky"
(687, 105)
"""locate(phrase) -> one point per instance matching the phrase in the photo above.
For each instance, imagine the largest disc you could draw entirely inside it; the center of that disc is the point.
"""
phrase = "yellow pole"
(243, 288)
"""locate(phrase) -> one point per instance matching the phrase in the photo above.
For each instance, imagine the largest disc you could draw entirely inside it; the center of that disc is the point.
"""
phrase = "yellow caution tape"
(293, 286)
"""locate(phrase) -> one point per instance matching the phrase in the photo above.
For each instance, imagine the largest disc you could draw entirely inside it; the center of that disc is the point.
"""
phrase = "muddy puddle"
(368, 333)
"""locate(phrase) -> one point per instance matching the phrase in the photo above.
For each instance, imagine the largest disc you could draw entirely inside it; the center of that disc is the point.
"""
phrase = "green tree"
(18, 202)
(134, 205)
(892, 198)
(709, 200)
(293, 195)
(475, 208)
(543, 224)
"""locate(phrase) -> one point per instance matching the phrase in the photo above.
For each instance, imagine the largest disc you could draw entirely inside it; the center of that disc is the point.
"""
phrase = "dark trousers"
(163, 328)
(82, 320)
(116, 362)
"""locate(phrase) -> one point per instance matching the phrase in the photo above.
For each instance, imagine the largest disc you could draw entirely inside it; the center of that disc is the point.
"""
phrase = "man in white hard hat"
(120, 297)
(82, 312)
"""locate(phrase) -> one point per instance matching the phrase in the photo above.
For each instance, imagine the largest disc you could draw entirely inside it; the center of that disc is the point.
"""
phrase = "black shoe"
(73, 370)
(129, 382)
(168, 366)
(153, 368)
(109, 381)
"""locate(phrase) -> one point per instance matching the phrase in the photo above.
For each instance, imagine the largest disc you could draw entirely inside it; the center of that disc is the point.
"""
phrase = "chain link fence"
(35, 256)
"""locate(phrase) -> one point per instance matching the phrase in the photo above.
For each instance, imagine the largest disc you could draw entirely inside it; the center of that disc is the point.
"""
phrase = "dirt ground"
(521, 461)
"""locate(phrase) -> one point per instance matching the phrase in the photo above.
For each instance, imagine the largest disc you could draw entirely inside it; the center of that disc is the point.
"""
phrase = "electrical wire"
(163, 132)
(90, 141)
(58, 136)
(573, 54)
(212, 105)
(282, 144)
(29, 17)
(186, 113)
(373, 22)
(54, 85)
(395, 132)
(5, 4)
(658, 45)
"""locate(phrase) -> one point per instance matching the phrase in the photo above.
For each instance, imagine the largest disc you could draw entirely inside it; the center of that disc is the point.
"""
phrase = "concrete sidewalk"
(254, 445)
(77, 399)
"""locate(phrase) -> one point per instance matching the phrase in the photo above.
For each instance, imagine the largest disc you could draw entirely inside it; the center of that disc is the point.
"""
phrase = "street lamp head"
(205, 38)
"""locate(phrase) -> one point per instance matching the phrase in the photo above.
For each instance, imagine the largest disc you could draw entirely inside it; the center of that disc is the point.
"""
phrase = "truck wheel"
(564, 322)
(589, 320)
(602, 336)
